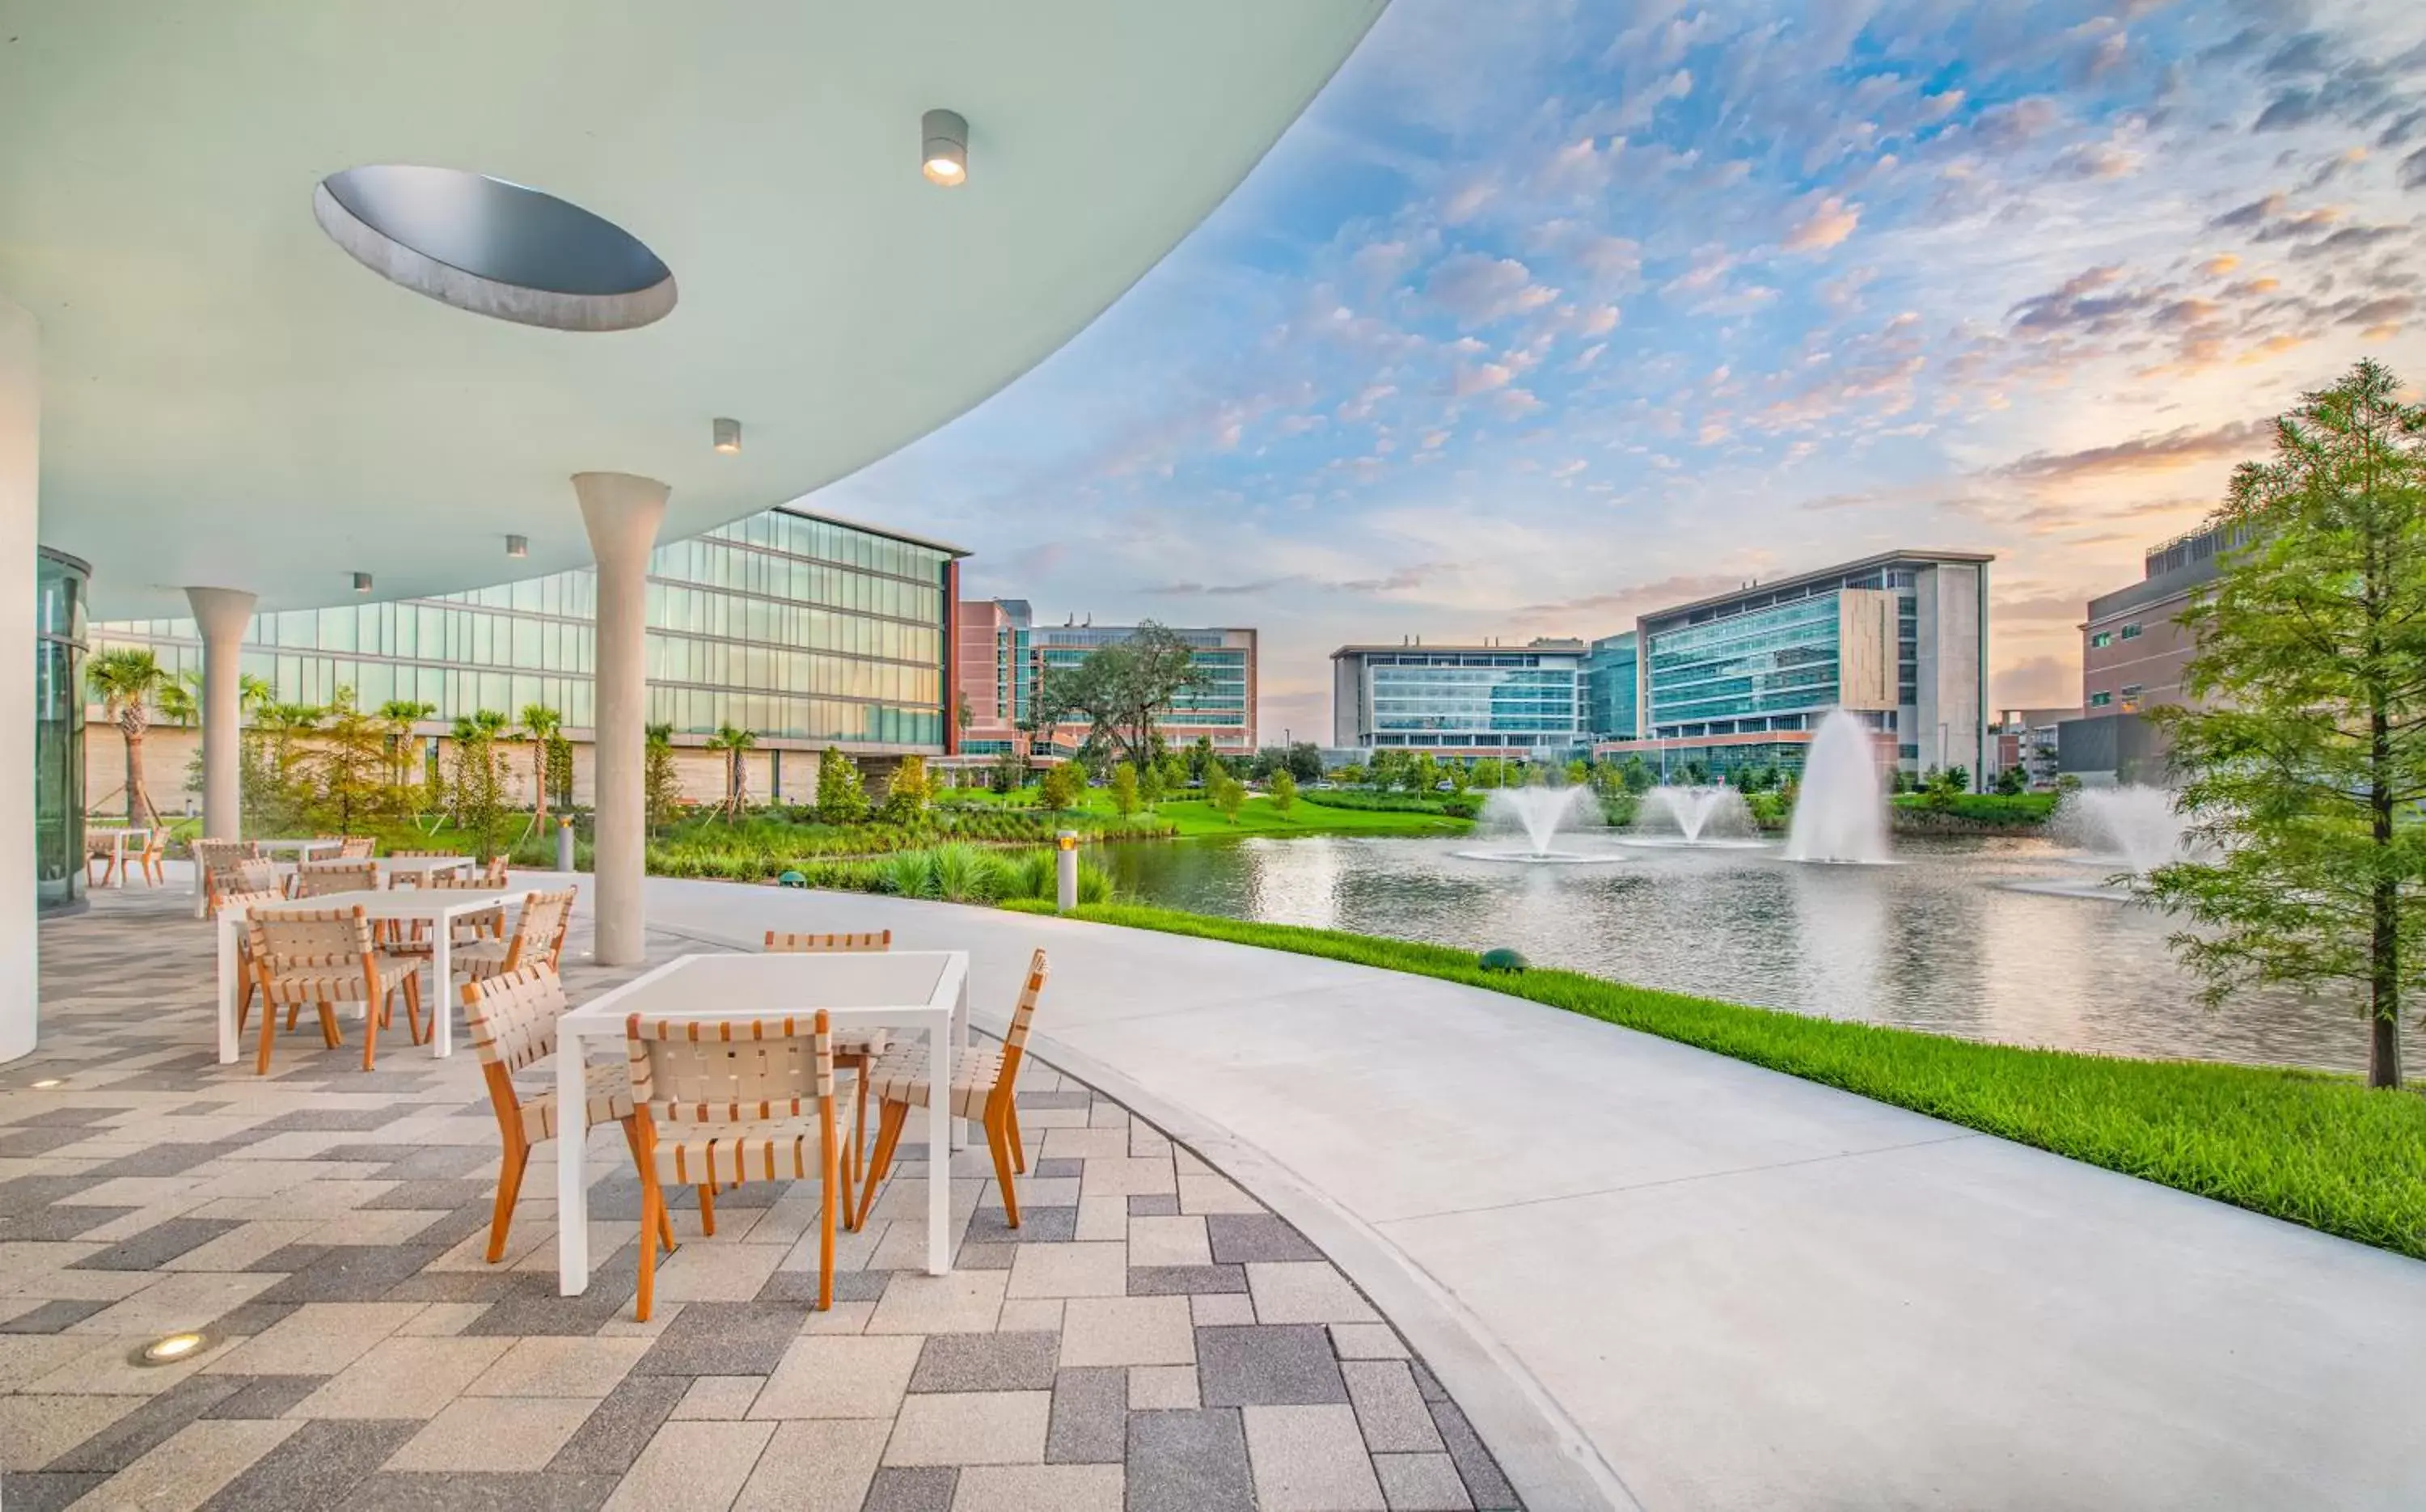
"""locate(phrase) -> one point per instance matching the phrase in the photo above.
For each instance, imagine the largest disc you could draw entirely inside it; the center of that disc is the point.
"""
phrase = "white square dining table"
(915, 989)
(391, 868)
(294, 850)
(439, 908)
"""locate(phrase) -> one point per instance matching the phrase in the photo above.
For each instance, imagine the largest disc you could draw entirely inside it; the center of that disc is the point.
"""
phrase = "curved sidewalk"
(1663, 1279)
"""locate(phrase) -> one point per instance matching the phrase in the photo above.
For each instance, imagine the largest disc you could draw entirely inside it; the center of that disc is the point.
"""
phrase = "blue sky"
(1545, 314)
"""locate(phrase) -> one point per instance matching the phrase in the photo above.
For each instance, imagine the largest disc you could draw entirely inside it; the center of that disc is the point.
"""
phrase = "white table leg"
(571, 1186)
(442, 1013)
(117, 861)
(960, 1127)
(939, 1147)
(228, 926)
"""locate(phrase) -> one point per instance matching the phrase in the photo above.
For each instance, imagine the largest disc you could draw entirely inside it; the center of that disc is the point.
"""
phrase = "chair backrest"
(357, 848)
(318, 878)
(467, 881)
(495, 876)
(782, 943)
(253, 873)
(323, 948)
(268, 897)
(1015, 1038)
(513, 1016)
(425, 853)
(217, 855)
(538, 934)
(739, 1070)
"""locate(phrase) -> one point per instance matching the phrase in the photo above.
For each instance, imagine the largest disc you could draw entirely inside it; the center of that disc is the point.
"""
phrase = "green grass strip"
(2307, 1147)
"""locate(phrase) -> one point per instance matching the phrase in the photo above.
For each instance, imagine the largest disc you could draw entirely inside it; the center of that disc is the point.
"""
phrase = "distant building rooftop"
(1789, 587)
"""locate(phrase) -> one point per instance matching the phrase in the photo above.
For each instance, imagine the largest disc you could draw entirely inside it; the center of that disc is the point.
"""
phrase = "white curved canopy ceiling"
(230, 399)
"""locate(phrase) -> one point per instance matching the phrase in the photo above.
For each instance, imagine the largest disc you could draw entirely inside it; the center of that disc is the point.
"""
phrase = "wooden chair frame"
(294, 977)
(998, 1116)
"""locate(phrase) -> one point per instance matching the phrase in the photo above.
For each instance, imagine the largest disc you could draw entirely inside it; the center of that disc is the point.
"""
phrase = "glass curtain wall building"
(807, 630)
(1611, 700)
(1742, 679)
(1460, 701)
(1005, 656)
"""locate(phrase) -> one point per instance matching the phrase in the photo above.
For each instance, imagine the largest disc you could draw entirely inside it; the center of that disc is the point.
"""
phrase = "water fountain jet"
(1841, 816)
(1694, 816)
(1540, 812)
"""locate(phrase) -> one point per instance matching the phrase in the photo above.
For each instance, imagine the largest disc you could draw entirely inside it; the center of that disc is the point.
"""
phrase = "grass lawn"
(2313, 1149)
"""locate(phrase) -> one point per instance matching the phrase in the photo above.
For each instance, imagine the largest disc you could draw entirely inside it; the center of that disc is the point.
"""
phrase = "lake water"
(1986, 939)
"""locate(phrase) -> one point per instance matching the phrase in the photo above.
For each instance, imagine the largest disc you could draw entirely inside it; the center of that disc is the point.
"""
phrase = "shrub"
(964, 874)
(908, 874)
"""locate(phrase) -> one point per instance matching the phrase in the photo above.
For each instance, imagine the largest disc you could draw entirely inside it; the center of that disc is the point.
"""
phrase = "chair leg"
(244, 989)
(830, 1177)
(889, 1120)
(708, 1210)
(329, 1030)
(999, 1140)
(1018, 1142)
(509, 1187)
(665, 1222)
(268, 1032)
(850, 1204)
(859, 1125)
(292, 1010)
(653, 1211)
(412, 1008)
(371, 1021)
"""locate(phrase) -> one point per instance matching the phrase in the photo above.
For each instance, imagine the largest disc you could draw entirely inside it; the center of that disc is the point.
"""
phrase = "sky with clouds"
(1550, 312)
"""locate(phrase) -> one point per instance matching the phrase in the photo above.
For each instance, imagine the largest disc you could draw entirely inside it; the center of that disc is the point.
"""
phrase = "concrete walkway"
(1660, 1278)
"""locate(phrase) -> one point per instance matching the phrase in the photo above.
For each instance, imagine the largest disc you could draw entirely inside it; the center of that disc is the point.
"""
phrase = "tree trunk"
(2383, 1007)
(538, 784)
(138, 798)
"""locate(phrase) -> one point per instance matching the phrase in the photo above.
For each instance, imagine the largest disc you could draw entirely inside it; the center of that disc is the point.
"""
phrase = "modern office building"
(808, 631)
(2133, 653)
(1612, 701)
(2029, 739)
(1485, 699)
(1005, 656)
(1742, 679)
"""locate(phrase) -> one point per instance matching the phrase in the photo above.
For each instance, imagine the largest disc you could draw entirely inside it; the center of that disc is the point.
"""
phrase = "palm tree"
(541, 725)
(126, 681)
(254, 694)
(400, 715)
(733, 741)
(179, 699)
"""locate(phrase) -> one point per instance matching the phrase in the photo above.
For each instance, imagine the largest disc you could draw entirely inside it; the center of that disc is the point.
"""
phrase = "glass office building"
(807, 630)
(1004, 657)
(1742, 679)
(1611, 701)
(1460, 701)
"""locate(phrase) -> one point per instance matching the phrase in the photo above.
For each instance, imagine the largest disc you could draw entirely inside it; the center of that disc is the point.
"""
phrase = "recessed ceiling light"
(517, 545)
(362, 582)
(944, 156)
(728, 435)
(173, 1348)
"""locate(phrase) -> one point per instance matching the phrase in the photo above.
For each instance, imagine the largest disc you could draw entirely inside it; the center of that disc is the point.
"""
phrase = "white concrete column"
(621, 513)
(20, 478)
(222, 614)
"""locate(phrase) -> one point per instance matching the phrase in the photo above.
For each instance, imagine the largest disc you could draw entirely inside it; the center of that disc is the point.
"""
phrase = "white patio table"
(295, 850)
(118, 835)
(925, 989)
(439, 908)
(396, 869)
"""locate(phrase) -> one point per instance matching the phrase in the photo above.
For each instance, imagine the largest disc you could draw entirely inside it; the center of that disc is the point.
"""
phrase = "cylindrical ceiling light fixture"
(728, 435)
(362, 582)
(517, 545)
(944, 156)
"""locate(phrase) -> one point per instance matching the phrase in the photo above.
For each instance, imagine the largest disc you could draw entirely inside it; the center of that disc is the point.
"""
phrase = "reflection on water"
(1953, 940)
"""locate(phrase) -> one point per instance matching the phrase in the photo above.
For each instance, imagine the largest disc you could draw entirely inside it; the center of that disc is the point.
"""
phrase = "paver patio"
(1150, 1337)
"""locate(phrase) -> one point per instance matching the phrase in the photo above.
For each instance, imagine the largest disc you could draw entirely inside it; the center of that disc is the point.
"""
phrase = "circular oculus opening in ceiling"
(493, 248)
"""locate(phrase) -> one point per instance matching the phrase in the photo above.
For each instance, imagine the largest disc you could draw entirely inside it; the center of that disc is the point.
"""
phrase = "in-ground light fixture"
(945, 155)
(171, 1349)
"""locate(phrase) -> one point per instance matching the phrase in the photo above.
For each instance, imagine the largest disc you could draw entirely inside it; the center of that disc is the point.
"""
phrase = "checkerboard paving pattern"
(1151, 1338)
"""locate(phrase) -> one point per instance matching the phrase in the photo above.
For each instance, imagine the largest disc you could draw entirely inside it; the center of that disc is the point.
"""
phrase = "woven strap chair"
(267, 897)
(317, 879)
(214, 856)
(984, 1089)
(489, 924)
(153, 861)
(356, 847)
(511, 1017)
(745, 1099)
(324, 957)
(855, 1050)
(538, 936)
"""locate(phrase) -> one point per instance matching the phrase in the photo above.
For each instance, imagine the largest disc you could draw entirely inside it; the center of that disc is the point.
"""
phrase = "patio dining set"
(724, 1068)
